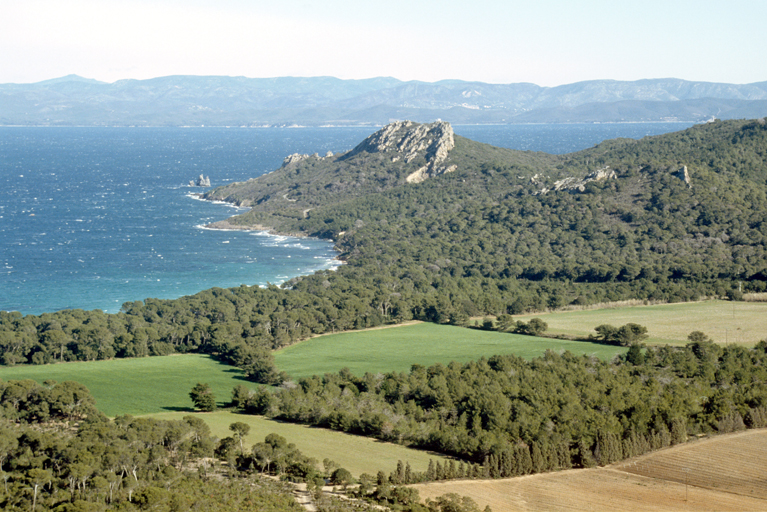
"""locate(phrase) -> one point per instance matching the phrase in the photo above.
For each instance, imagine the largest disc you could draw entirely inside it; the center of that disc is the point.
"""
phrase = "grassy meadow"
(139, 386)
(397, 348)
(162, 384)
(356, 453)
(723, 321)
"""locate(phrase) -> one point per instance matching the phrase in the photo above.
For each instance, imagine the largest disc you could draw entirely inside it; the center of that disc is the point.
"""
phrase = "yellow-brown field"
(723, 321)
(721, 473)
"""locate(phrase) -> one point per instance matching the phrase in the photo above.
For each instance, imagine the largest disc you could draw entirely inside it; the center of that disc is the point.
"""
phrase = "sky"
(545, 42)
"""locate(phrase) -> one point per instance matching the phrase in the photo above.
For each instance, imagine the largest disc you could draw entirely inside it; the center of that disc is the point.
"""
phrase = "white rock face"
(297, 157)
(580, 184)
(202, 181)
(408, 141)
(684, 175)
(294, 158)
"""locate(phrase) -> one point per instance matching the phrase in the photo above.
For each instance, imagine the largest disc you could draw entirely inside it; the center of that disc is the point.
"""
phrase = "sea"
(92, 218)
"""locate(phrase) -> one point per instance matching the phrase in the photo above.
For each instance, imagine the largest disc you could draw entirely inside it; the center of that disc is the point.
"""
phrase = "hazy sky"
(546, 42)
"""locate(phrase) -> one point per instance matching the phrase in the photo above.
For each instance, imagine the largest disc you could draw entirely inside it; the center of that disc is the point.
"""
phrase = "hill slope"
(317, 101)
(679, 208)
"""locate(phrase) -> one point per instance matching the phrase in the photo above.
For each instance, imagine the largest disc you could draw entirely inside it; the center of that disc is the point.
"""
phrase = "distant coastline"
(216, 101)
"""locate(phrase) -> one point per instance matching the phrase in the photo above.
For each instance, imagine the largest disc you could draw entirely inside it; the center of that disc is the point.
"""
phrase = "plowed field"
(722, 473)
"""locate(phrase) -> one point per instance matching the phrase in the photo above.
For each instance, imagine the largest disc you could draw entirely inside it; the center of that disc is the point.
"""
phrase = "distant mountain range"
(318, 101)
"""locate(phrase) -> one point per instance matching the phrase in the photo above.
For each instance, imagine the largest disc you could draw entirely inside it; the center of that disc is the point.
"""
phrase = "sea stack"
(202, 181)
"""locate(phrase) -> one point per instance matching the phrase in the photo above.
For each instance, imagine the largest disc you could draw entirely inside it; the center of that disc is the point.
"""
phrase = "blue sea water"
(91, 218)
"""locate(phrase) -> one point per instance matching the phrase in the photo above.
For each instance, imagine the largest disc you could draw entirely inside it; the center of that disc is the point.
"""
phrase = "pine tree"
(450, 470)
(398, 477)
(524, 461)
(203, 398)
(439, 472)
(539, 463)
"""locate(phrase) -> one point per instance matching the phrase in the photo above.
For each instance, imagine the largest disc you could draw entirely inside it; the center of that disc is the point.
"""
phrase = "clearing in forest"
(397, 349)
(355, 453)
(723, 321)
(141, 385)
(721, 473)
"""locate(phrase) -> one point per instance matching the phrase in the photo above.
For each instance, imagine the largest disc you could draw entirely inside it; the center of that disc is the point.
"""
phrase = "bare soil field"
(734, 463)
(722, 473)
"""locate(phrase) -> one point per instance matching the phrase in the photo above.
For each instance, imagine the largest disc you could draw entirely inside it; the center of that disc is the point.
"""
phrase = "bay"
(91, 218)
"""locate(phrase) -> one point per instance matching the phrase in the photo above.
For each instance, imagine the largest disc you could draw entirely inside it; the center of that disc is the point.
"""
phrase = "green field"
(156, 384)
(355, 453)
(139, 386)
(723, 321)
(396, 349)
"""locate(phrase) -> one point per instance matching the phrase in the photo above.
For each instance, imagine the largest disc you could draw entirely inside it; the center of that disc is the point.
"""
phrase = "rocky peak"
(407, 141)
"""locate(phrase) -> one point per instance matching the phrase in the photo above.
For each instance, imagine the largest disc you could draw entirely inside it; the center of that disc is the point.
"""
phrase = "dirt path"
(388, 326)
(304, 497)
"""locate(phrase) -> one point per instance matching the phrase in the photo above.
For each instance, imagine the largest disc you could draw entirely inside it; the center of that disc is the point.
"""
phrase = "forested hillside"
(485, 232)
(57, 452)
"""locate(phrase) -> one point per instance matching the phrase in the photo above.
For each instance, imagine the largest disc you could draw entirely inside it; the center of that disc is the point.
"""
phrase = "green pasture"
(724, 321)
(356, 453)
(396, 349)
(139, 386)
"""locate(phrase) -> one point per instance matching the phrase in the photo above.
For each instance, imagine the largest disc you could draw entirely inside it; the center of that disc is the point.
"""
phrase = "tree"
(698, 337)
(537, 326)
(625, 335)
(341, 476)
(607, 333)
(240, 430)
(203, 397)
(631, 333)
(264, 455)
(635, 355)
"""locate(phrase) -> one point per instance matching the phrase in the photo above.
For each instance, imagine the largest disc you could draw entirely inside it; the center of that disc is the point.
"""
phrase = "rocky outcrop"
(410, 139)
(684, 175)
(297, 157)
(202, 181)
(407, 141)
(579, 184)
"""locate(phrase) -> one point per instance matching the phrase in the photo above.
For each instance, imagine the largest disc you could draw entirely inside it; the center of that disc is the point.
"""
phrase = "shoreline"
(225, 225)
